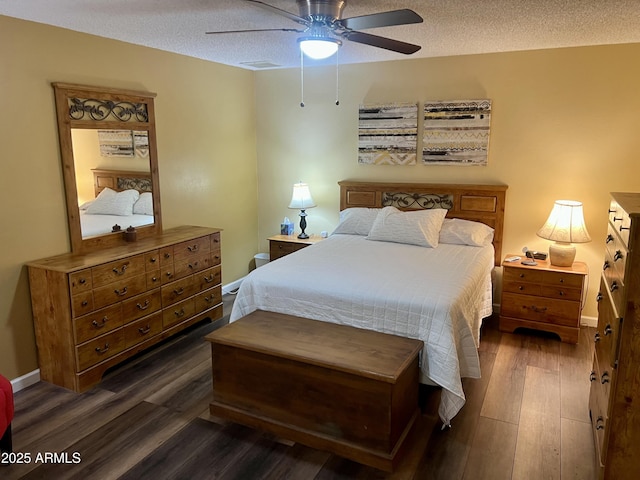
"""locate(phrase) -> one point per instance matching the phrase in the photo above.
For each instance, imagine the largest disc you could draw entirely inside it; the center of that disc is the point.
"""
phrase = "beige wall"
(564, 125)
(206, 147)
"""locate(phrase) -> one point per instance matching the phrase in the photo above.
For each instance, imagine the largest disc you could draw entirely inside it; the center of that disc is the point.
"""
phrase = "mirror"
(109, 157)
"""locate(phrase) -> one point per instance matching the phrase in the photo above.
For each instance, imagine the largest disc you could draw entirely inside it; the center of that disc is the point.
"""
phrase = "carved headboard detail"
(119, 180)
(480, 203)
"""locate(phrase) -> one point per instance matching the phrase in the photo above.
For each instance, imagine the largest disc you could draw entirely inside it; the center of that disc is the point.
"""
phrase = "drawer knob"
(100, 324)
(121, 270)
(169, 274)
(561, 293)
(592, 377)
(609, 238)
(167, 255)
(143, 306)
(624, 228)
(121, 293)
(82, 281)
(209, 279)
(618, 256)
(616, 219)
(103, 349)
(84, 303)
(605, 265)
(599, 297)
(538, 309)
(608, 330)
(144, 330)
(193, 248)
(599, 423)
(153, 259)
(209, 298)
(178, 291)
(596, 337)
(179, 313)
(605, 378)
(520, 287)
(193, 265)
(614, 286)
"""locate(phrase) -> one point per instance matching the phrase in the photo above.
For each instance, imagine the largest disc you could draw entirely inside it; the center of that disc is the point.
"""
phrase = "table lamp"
(301, 199)
(564, 226)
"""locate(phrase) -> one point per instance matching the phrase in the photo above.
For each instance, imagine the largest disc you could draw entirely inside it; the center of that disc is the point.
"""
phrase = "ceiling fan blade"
(279, 11)
(382, 42)
(383, 19)
(258, 30)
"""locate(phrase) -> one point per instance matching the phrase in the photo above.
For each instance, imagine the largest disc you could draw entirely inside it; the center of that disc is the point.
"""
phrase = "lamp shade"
(319, 47)
(301, 198)
(565, 223)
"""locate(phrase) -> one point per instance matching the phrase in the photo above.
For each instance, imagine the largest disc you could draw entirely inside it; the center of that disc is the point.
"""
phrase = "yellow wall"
(564, 125)
(205, 115)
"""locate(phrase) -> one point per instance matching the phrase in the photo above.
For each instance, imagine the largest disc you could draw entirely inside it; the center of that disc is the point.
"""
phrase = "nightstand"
(543, 297)
(281, 245)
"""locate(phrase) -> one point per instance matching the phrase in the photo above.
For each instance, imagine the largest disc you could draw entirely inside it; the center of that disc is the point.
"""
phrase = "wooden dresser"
(94, 310)
(543, 297)
(614, 401)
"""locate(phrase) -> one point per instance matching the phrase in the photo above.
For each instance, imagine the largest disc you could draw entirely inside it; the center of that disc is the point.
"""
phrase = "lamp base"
(562, 254)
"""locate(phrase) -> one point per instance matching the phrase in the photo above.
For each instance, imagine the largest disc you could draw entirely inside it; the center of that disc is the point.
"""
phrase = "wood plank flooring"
(526, 418)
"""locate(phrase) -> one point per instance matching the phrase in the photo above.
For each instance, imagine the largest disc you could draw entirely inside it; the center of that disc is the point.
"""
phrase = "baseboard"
(232, 287)
(25, 380)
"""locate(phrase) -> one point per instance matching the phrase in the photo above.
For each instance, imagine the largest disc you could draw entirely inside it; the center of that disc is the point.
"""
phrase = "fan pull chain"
(337, 78)
(301, 79)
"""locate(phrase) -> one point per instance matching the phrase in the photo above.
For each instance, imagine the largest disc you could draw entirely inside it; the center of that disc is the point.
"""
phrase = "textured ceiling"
(451, 27)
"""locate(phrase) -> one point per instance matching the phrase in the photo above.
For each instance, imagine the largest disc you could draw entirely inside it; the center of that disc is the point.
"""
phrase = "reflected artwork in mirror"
(109, 157)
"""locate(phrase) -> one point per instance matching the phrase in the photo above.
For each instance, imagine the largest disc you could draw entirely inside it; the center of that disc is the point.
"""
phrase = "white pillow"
(356, 220)
(465, 232)
(417, 227)
(144, 205)
(109, 202)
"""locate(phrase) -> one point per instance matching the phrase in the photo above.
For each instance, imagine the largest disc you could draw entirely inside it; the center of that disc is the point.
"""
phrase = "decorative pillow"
(465, 232)
(109, 202)
(144, 205)
(419, 227)
(356, 220)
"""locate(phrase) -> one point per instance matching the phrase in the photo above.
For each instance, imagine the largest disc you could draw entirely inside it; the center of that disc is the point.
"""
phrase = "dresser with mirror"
(127, 284)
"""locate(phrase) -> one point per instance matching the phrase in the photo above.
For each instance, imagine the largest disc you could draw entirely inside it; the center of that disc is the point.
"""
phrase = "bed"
(123, 198)
(438, 294)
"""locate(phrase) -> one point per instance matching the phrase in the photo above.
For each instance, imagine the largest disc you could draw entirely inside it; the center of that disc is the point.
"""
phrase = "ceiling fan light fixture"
(319, 48)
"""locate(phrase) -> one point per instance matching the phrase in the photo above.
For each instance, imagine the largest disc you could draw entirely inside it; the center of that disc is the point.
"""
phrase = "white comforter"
(438, 295)
(92, 225)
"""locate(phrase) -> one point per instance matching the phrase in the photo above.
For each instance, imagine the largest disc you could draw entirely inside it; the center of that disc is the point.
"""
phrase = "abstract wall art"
(387, 134)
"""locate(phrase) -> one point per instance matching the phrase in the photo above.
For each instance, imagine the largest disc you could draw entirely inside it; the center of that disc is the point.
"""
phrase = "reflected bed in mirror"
(122, 199)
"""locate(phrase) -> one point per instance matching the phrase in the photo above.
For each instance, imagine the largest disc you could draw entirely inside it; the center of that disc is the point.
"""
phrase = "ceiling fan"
(324, 27)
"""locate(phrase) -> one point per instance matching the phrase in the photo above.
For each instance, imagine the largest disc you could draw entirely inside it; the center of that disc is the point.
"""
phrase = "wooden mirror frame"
(88, 107)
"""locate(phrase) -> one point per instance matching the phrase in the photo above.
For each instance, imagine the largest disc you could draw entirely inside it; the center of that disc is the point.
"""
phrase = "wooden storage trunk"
(350, 391)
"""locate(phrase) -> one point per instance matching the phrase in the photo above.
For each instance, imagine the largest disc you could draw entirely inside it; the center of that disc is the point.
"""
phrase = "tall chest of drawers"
(614, 400)
(92, 311)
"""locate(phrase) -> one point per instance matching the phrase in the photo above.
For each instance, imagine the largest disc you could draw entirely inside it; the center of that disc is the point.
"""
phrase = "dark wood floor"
(527, 418)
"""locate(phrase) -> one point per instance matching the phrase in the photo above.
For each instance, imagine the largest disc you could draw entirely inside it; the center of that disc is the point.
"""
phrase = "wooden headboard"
(480, 203)
(119, 180)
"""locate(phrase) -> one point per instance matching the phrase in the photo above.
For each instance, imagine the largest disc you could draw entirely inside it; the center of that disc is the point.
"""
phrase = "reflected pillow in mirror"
(110, 202)
(465, 232)
(144, 205)
(416, 227)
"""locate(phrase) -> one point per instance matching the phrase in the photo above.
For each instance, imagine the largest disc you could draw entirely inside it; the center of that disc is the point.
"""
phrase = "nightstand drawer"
(280, 249)
(540, 309)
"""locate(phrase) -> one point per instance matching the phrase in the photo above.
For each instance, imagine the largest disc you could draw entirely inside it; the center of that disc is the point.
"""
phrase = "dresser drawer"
(208, 299)
(152, 260)
(80, 282)
(117, 271)
(177, 291)
(216, 257)
(519, 275)
(95, 351)
(599, 416)
(561, 293)
(140, 330)
(141, 305)
(154, 279)
(166, 256)
(608, 329)
(187, 250)
(540, 309)
(82, 303)
(97, 323)
(208, 278)
(118, 291)
(620, 220)
(193, 265)
(178, 313)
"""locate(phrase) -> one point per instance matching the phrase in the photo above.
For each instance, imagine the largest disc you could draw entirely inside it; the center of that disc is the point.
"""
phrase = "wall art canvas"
(116, 143)
(387, 134)
(456, 132)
